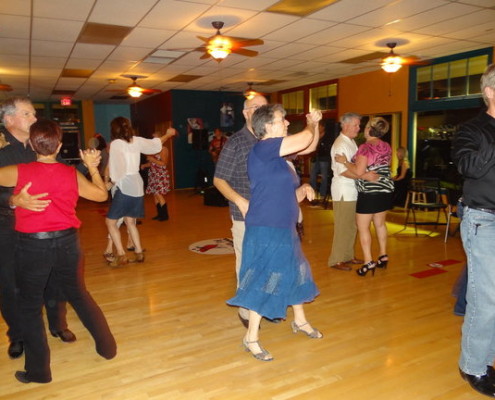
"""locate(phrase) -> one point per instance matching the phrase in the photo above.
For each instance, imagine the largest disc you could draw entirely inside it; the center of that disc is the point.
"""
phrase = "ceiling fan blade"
(5, 88)
(205, 56)
(245, 52)
(242, 42)
(150, 91)
(206, 40)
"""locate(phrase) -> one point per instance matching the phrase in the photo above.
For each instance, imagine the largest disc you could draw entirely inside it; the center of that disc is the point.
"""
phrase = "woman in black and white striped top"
(374, 198)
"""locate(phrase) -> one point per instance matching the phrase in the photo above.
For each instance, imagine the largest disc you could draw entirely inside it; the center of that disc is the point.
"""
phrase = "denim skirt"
(126, 206)
(274, 272)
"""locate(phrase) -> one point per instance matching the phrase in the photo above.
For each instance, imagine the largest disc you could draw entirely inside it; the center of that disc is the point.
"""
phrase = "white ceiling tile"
(130, 53)
(14, 26)
(14, 47)
(396, 10)
(92, 51)
(18, 7)
(445, 12)
(485, 25)
(69, 83)
(76, 10)
(172, 14)
(262, 24)
(334, 34)
(288, 51)
(298, 30)
(348, 9)
(48, 62)
(51, 49)
(459, 23)
(82, 63)
(120, 12)
(56, 29)
(145, 69)
(257, 5)
(13, 63)
(147, 37)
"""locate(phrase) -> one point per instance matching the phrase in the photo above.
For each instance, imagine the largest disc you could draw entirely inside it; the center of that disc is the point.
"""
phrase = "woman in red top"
(49, 246)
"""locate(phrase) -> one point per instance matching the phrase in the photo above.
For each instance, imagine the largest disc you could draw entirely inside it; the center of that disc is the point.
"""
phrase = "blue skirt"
(126, 206)
(274, 272)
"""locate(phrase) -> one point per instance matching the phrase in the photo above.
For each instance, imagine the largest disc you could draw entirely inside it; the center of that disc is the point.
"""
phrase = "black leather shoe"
(481, 383)
(15, 349)
(64, 335)
(22, 377)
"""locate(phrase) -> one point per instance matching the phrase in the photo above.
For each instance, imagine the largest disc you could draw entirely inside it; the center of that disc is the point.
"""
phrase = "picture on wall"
(226, 115)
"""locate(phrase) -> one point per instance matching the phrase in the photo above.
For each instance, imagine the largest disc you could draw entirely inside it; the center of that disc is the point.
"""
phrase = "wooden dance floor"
(388, 337)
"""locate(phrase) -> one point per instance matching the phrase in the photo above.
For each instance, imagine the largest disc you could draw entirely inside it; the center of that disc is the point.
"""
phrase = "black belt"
(487, 210)
(48, 235)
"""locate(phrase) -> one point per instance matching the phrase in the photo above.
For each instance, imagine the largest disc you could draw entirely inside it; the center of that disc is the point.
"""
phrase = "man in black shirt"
(474, 154)
(18, 114)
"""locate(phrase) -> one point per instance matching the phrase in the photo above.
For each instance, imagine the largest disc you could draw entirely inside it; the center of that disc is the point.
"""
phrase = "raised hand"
(90, 157)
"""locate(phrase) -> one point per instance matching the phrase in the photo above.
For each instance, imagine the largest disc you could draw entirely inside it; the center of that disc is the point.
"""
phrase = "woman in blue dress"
(274, 272)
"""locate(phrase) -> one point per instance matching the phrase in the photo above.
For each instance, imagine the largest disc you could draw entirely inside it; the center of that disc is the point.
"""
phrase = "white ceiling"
(38, 39)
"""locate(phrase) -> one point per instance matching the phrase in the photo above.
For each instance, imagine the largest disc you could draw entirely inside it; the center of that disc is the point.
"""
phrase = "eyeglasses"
(255, 107)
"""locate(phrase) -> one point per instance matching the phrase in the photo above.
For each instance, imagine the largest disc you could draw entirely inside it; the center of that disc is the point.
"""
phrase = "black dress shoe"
(22, 377)
(65, 335)
(481, 383)
(15, 349)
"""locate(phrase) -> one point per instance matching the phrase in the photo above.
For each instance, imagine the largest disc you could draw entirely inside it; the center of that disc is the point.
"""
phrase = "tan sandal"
(110, 257)
(119, 261)
(139, 258)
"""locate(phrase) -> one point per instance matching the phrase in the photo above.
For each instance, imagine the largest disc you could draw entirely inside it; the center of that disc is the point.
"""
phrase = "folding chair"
(425, 196)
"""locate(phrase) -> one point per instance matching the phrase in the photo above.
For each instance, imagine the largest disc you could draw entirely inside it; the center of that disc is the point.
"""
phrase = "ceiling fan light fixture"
(219, 47)
(135, 91)
(250, 93)
(392, 64)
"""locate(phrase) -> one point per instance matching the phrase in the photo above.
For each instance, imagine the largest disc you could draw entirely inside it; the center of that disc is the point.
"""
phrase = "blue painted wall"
(105, 113)
(205, 105)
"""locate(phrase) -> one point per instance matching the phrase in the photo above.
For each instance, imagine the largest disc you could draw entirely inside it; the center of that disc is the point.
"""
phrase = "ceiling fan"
(220, 46)
(134, 89)
(393, 62)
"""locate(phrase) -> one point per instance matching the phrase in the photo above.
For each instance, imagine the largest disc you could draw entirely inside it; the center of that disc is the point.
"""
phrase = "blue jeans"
(478, 330)
(320, 167)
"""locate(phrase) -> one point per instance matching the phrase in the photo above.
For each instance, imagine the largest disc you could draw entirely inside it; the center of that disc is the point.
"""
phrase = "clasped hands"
(313, 117)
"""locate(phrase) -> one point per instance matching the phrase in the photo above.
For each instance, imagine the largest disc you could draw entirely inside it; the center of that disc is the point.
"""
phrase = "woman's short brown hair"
(121, 128)
(45, 136)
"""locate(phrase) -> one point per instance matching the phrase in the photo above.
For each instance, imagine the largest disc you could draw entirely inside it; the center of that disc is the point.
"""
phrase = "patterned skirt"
(158, 180)
(274, 272)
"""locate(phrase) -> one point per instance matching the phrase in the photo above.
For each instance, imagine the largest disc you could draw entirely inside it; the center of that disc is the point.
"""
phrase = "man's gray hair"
(487, 80)
(349, 116)
(8, 107)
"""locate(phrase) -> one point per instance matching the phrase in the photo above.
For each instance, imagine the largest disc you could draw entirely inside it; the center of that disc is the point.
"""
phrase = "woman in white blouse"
(128, 190)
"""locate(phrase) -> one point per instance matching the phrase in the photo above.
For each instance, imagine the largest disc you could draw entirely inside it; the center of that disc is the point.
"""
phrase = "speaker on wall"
(70, 145)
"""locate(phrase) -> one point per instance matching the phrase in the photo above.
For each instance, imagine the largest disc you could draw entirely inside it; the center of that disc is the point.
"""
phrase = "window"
(293, 102)
(323, 97)
(450, 79)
